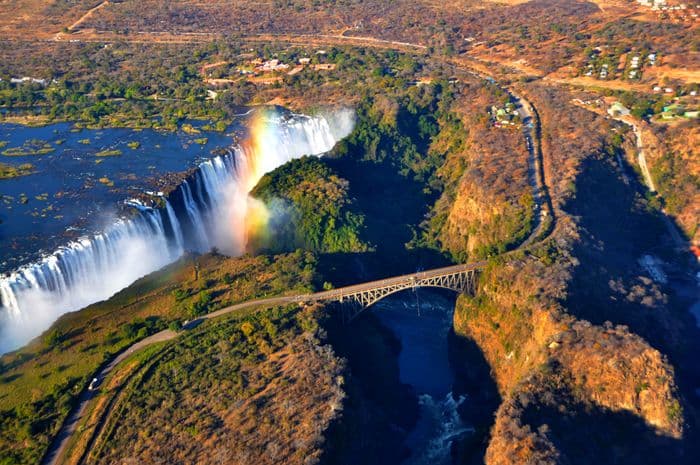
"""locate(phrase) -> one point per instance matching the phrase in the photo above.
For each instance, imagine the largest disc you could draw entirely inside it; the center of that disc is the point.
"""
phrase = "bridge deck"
(343, 292)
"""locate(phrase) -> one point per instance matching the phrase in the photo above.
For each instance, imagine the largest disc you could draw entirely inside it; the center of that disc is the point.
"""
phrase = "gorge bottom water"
(422, 322)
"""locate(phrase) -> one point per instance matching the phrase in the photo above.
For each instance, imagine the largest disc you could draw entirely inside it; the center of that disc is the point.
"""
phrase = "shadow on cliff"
(617, 228)
(473, 379)
(379, 411)
(586, 434)
(394, 204)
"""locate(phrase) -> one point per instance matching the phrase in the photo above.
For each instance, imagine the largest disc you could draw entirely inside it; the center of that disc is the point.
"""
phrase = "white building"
(618, 109)
(25, 79)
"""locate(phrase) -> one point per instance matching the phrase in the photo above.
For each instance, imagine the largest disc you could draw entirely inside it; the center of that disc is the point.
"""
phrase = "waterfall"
(206, 210)
(176, 228)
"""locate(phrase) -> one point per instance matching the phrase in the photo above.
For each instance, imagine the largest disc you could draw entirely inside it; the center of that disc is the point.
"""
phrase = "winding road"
(61, 441)
(543, 204)
(55, 452)
(543, 208)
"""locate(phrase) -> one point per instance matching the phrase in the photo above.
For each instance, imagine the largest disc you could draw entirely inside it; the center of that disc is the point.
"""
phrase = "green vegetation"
(189, 129)
(199, 305)
(30, 147)
(675, 183)
(40, 381)
(10, 171)
(675, 411)
(161, 85)
(201, 141)
(310, 208)
(398, 129)
(269, 366)
(134, 145)
(109, 153)
(219, 126)
(643, 105)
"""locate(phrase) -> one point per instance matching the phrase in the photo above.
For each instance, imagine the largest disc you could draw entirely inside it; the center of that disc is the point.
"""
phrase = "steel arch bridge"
(355, 299)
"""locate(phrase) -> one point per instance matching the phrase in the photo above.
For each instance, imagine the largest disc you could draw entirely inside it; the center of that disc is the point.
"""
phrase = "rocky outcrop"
(620, 371)
(547, 363)
(486, 206)
(572, 391)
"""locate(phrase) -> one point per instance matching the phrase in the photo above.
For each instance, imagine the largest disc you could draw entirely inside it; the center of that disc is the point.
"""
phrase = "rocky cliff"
(572, 390)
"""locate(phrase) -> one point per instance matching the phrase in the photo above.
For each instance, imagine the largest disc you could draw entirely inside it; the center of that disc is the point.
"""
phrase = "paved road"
(58, 446)
(60, 442)
(535, 168)
(641, 156)
(676, 236)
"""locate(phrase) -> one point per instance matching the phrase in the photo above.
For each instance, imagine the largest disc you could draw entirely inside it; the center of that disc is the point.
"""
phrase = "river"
(422, 322)
(93, 186)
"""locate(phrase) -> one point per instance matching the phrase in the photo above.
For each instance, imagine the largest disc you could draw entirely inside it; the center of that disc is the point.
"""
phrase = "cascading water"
(440, 426)
(422, 329)
(207, 210)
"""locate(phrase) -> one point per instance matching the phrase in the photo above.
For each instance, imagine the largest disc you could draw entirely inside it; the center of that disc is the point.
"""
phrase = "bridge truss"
(358, 298)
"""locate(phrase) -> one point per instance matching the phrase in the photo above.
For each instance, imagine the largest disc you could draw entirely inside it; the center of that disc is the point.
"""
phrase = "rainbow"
(258, 150)
(212, 208)
(263, 130)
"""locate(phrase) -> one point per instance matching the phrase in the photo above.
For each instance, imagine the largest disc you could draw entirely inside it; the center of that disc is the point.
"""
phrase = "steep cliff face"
(482, 222)
(619, 371)
(549, 421)
(674, 162)
(572, 390)
(509, 327)
(486, 206)
(547, 363)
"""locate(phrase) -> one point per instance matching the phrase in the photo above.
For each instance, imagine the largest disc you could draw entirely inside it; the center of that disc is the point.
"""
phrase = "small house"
(672, 111)
(618, 109)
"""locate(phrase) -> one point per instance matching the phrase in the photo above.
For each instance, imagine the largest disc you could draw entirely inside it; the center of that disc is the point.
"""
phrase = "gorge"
(425, 178)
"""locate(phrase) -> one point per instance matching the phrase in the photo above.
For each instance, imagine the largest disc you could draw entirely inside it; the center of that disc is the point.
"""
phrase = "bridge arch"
(355, 299)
